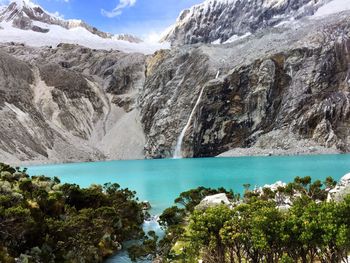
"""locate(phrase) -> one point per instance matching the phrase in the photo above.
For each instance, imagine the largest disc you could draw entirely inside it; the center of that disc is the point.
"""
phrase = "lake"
(161, 181)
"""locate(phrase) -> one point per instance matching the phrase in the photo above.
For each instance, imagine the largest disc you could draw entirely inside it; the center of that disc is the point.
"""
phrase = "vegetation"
(258, 229)
(42, 220)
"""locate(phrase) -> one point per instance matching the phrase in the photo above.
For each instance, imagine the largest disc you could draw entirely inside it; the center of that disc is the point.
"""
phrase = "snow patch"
(236, 38)
(71, 31)
(290, 21)
(273, 3)
(217, 42)
(77, 35)
(22, 3)
(333, 7)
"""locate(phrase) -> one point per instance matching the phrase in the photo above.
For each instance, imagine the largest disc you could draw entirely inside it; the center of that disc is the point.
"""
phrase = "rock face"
(128, 37)
(60, 104)
(220, 20)
(341, 190)
(281, 89)
(290, 82)
(174, 78)
(23, 15)
(25, 22)
(213, 200)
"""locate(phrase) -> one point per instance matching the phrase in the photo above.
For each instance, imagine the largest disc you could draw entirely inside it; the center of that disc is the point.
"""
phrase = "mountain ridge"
(219, 20)
(22, 13)
(281, 90)
(24, 22)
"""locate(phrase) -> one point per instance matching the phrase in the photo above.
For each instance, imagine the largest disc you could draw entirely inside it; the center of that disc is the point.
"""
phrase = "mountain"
(69, 103)
(221, 20)
(23, 14)
(282, 89)
(128, 37)
(25, 22)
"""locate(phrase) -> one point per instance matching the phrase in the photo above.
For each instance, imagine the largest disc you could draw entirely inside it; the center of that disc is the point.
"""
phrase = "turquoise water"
(161, 181)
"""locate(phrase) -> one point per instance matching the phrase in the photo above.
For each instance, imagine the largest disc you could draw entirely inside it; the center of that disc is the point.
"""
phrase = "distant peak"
(29, 16)
(128, 37)
(217, 21)
(23, 3)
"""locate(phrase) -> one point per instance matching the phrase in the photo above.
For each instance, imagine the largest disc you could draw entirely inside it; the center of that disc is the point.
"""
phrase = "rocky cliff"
(22, 21)
(283, 89)
(223, 20)
(69, 104)
(24, 15)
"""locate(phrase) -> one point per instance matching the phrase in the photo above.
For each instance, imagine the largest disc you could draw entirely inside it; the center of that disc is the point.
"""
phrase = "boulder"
(273, 187)
(213, 200)
(341, 190)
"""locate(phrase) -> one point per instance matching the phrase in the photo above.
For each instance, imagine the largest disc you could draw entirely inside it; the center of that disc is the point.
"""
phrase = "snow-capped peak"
(23, 3)
(333, 7)
(26, 15)
(215, 20)
(23, 11)
(25, 22)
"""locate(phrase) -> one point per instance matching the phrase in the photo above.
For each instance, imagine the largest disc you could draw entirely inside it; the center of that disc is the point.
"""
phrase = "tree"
(312, 230)
(172, 216)
(205, 229)
(43, 221)
(190, 199)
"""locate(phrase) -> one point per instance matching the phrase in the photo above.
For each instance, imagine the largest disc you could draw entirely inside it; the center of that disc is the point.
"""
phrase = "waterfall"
(178, 148)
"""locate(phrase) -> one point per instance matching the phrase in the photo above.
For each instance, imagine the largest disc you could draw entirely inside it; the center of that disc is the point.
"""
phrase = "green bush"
(256, 230)
(44, 221)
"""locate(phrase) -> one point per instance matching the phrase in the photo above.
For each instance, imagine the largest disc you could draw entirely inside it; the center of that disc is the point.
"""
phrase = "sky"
(144, 18)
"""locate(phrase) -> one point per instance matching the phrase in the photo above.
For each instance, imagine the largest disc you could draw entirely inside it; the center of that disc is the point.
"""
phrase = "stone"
(341, 190)
(213, 200)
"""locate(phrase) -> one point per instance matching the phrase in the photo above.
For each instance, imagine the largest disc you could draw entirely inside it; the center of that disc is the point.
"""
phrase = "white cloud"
(156, 36)
(119, 8)
(152, 37)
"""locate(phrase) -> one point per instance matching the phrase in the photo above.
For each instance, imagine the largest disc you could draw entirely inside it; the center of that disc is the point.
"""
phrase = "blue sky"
(139, 17)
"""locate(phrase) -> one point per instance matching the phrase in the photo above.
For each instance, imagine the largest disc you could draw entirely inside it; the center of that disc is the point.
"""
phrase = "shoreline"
(256, 151)
(234, 153)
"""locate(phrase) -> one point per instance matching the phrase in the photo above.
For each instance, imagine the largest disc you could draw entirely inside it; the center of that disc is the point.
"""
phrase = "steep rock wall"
(220, 20)
(61, 104)
(283, 81)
